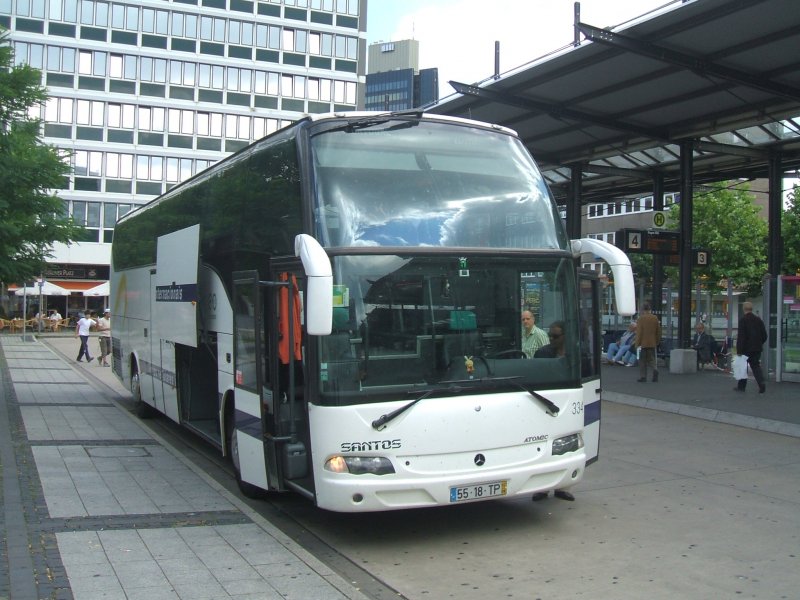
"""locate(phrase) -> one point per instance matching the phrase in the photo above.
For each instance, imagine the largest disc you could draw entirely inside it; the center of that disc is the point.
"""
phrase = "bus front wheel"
(248, 489)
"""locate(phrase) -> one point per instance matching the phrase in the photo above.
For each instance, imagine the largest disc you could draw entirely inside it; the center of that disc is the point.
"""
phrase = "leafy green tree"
(726, 221)
(32, 218)
(642, 265)
(790, 232)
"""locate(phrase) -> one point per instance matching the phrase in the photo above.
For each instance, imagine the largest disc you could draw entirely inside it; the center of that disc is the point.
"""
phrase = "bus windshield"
(397, 182)
(409, 323)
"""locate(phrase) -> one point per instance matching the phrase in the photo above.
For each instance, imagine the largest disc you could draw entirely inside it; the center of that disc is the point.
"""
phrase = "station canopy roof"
(723, 73)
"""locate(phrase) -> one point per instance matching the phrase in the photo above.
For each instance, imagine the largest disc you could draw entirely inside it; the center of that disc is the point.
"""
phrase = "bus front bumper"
(343, 492)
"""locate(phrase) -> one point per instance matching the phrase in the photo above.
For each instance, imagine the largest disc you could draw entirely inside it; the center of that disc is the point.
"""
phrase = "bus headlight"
(359, 465)
(568, 443)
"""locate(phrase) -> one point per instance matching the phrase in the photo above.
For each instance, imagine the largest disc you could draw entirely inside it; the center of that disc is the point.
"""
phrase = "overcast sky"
(458, 36)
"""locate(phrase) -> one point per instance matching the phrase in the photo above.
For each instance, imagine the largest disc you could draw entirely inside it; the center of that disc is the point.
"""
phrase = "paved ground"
(96, 506)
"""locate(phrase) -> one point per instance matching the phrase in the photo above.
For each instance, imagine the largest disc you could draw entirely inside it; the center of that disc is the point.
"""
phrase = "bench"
(663, 350)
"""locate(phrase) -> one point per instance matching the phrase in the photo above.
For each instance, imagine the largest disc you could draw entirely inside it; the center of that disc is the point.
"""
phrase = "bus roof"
(315, 118)
(423, 115)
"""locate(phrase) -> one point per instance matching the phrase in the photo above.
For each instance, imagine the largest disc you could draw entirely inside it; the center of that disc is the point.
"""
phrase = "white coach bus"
(337, 308)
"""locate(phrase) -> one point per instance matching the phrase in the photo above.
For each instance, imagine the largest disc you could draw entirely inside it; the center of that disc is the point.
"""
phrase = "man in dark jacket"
(702, 343)
(749, 341)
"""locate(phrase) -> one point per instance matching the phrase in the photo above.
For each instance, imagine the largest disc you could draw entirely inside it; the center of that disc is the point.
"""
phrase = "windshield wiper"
(552, 409)
(454, 386)
(378, 119)
(381, 421)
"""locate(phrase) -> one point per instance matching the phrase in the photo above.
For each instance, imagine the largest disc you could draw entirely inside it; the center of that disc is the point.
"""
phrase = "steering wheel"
(513, 353)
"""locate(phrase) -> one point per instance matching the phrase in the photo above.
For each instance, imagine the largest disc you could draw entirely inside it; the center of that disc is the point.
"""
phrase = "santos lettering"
(370, 446)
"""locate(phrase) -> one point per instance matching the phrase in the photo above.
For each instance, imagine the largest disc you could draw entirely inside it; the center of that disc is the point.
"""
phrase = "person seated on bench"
(701, 342)
(617, 350)
(630, 359)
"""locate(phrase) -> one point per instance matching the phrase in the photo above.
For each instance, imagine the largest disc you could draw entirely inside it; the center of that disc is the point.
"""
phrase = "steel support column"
(658, 259)
(574, 204)
(774, 255)
(774, 211)
(685, 275)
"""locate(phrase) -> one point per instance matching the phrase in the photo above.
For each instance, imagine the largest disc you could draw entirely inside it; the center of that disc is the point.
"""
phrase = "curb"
(707, 414)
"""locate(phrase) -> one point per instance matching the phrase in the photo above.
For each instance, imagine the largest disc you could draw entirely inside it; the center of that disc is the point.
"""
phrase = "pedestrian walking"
(82, 330)
(648, 337)
(104, 337)
(750, 340)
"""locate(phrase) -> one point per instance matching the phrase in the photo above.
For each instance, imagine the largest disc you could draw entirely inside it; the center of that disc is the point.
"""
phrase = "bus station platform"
(97, 505)
(709, 395)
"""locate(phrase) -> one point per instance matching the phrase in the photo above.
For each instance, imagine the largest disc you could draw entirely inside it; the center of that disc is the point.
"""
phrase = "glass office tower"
(146, 93)
(394, 79)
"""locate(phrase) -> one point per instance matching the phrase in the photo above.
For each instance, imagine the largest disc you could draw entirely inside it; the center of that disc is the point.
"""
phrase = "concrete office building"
(145, 94)
(394, 79)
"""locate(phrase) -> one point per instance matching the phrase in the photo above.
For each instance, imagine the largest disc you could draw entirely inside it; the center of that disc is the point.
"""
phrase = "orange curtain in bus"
(283, 320)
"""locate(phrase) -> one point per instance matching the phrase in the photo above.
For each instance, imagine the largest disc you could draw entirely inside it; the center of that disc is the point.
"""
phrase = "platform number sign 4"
(634, 240)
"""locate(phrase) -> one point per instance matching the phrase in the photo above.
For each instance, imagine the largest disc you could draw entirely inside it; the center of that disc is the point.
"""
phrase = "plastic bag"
(740, 367)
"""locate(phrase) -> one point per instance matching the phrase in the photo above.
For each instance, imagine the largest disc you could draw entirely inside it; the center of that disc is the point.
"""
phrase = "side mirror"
(319, 287)
(624, 287)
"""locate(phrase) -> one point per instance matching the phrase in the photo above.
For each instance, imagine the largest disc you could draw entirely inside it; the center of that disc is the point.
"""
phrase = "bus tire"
(248, 489)
(140, 407)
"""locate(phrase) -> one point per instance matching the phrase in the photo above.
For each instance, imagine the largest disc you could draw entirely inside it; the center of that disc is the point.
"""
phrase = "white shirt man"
(82, 330)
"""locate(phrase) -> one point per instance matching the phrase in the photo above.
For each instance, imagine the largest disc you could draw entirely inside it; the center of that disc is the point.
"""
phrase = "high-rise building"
(394, 80)
(144, 94)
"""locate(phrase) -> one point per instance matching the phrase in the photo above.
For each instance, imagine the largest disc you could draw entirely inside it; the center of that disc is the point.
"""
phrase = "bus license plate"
(478, 491)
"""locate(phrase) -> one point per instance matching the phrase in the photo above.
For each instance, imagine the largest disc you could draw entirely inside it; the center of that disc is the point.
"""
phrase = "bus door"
(270, 418)
(175, 315)
(288, 435)
(591, 351)
(245, 424)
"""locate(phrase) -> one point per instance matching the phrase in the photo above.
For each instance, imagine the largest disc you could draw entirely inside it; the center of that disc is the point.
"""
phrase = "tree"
(32, 218)
(790, 232)
(725, 220)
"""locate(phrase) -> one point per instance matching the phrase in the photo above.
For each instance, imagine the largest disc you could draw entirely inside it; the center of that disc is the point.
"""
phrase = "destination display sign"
(643, 241)
(666, 243)
(700, 258)
(662, 242)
